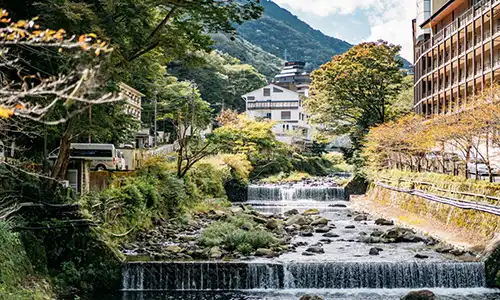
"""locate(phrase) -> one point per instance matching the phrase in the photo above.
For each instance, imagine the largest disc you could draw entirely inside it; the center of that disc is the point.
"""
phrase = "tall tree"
(355, 90)
(189, 115)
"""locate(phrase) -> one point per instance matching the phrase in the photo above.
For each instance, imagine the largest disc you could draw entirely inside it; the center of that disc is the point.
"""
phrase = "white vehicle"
(482, 168)
(102, 156)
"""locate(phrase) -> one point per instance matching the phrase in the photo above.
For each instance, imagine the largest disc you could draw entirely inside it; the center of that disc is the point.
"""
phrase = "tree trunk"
(61, 165)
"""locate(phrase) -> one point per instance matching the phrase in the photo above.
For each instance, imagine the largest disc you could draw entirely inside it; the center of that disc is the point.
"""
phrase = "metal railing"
(491, 209)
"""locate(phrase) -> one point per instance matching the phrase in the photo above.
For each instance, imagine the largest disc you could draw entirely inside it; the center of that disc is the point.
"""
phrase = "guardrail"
(468, 194)
(491, 209)
(165, 149)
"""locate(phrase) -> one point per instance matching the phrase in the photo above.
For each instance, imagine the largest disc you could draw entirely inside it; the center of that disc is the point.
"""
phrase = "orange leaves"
(5, 113)
(28, 32)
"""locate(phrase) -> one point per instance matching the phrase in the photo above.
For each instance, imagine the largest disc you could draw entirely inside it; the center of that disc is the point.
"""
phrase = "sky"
(357, 21)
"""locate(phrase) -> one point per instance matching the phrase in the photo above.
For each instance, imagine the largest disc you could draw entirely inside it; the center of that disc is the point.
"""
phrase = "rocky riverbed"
(332, 229)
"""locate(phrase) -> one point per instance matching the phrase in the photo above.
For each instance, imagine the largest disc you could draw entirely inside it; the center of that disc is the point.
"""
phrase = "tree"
(221, 78)
(189, 114)
(355, 90)
(51, 100)
(255, 140)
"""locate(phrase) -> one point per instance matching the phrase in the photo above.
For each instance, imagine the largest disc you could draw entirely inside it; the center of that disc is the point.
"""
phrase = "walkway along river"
(344, 265)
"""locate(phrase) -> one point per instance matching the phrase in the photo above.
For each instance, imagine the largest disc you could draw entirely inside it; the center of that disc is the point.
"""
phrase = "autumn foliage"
(445, 143)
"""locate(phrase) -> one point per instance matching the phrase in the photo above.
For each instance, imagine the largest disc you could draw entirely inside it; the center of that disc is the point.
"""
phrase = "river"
(344, 271)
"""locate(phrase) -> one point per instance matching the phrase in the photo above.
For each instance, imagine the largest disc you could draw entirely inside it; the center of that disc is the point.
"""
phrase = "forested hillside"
(248, 53)
(277, 32)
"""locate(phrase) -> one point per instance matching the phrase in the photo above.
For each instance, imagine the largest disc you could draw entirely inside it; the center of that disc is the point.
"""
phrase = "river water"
(344, 271)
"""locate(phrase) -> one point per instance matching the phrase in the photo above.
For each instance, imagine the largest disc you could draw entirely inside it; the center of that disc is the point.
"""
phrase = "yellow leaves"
(5, 113)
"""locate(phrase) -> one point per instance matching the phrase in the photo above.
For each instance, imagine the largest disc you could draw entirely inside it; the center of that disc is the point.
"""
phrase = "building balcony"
(464, 19)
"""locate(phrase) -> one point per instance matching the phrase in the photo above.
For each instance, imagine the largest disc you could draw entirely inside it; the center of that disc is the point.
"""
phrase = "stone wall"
(477, 224)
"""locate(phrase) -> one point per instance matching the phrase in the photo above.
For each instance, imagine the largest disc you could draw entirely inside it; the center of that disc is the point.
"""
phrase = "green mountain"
(279, 32)
(266, 63)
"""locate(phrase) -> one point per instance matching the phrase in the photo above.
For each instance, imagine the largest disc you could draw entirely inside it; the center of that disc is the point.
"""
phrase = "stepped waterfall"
(189, 276)
(345, 266)
(295, 192)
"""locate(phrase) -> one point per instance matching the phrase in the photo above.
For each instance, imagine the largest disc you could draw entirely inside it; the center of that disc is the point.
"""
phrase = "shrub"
(244, 248)
(239, 164)
(208, 180)
(229, 235)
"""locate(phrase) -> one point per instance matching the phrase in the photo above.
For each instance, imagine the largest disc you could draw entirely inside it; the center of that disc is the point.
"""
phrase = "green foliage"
(220, 78)
(207, 180)
(228, 234)
(14, 264)
(283, 177)
(316, 166)
(266, 63)
(355, 91)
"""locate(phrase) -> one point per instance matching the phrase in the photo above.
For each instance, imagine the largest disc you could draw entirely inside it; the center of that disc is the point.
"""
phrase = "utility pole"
(155, 118)
(192, 107)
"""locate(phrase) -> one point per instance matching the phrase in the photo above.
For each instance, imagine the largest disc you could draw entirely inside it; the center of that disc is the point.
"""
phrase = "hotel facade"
(456, 52)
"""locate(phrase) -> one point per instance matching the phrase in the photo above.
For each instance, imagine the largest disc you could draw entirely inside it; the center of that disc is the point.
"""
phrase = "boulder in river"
(337, 205)
(331, 235)
(311, 212)
(291, 212)
(420, 295)
(360, 218)
(322, 229)
(316, 249)
(262, 252)
(444, 249)
(350, 227)
(384, 222)
(320, 221)
(296, 219)
(215, 252)
(272, 224)
(307, 253)
(306, 233)
(374, 251)
(421, 256)
(377, 233)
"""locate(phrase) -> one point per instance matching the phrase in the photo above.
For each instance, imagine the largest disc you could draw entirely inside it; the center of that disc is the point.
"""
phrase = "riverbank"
(465, 229)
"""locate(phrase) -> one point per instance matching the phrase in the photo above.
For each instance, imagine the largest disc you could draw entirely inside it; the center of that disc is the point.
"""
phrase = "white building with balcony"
(133, 100)
(282, 106)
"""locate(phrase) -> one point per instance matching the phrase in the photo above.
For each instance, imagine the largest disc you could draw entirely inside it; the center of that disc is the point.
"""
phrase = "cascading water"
(295, 192)
(327, 275)
(345, 266)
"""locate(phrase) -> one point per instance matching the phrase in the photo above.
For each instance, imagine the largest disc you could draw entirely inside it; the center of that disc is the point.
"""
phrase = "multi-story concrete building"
(294, 77)
(133, 100)
(282, 106)
(456, 52)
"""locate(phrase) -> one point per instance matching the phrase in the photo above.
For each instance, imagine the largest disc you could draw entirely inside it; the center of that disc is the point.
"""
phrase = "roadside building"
(456, 52)
(283, 106)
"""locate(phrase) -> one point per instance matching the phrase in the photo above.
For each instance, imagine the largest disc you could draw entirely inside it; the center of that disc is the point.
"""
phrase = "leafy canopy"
(355, 90)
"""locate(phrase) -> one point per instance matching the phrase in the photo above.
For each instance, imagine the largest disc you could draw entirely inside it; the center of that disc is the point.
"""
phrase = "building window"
(250, 98)
(268, 116)
(267, 92)
(286, 115)
(276, 90)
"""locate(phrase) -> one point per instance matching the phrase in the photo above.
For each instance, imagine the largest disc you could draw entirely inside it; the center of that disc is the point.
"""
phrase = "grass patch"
(228, 234)
(18, 281)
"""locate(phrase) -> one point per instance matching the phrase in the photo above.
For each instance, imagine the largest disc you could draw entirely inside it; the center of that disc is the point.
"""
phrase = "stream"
(345, 270)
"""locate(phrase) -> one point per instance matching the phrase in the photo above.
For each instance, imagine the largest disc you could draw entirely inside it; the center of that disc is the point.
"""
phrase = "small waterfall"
(352, 275)
(189, 276)
(200, 276)
(295, 192)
